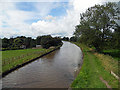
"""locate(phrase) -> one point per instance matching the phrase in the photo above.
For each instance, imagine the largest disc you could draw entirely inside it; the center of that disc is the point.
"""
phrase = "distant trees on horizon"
(22, 42)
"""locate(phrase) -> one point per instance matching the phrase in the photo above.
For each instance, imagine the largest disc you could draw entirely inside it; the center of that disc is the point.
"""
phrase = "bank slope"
(93, 73)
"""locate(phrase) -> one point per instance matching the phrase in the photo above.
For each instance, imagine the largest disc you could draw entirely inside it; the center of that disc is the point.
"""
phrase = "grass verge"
(94, 67)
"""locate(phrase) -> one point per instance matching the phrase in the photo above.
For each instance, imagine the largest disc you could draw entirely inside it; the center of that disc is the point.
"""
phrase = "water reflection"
(56, 70)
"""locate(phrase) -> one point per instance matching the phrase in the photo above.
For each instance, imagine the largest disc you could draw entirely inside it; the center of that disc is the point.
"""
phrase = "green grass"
(91, 71)
(12, 58)
(14, 53)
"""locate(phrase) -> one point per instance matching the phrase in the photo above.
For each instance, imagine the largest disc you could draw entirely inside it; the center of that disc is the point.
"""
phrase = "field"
(12, 58)
(95, 71)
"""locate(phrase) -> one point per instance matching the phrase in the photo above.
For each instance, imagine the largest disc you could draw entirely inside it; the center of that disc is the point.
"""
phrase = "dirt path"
(105, 82)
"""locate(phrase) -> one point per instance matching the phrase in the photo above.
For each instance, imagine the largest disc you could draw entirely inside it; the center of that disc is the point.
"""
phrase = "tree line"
(21, 42)
(99, 27)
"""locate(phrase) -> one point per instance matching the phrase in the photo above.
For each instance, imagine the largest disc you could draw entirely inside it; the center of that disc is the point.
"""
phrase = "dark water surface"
(56, 70)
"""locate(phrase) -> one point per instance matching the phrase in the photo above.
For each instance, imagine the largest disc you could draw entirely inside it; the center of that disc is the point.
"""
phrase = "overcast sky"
(55, 17)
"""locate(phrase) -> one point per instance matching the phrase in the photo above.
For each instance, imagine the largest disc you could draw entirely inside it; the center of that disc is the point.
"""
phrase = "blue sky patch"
(59, 11)
(32, 21)
(25, 6)
(5, 25)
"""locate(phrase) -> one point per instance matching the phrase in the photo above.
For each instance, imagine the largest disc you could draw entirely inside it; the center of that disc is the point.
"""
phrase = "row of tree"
(72, 39)
(21, 42)
(99, 27)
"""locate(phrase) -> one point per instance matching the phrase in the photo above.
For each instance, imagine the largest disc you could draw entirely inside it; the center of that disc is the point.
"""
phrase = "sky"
(42, 17)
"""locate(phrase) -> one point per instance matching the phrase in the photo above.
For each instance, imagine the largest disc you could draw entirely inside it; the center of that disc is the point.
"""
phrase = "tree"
(96, 25)
(48, 41)
(116, 38)
(73, 39)
(27, 42)
(45, 41)
(32, 43)
(5, 42)
(38, 40)
(65, 38)
(17, 43)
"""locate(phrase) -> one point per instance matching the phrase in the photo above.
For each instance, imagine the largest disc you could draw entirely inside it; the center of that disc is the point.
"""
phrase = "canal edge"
(19, 66)
(70, 88)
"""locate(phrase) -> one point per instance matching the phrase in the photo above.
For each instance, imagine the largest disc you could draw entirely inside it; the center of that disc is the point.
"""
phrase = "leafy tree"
(73, 39)
(45, 41)
(11, 41)
(116, 38)
(17, 43)
(32, 43)
(5, 42)
(27, 42)
(96, 25)
(65, 38)
(38, 40)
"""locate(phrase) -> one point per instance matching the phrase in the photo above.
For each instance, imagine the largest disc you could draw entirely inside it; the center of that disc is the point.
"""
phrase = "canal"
(55, 70)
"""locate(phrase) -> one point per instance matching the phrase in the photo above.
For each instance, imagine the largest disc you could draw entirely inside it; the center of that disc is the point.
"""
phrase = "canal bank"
(29, 61)
(95, 71)
(55, 70)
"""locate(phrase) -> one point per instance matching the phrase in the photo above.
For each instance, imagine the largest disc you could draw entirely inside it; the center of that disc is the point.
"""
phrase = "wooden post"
(114, 75)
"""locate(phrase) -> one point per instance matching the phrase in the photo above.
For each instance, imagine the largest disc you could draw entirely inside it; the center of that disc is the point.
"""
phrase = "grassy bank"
(96, 66)
(12, 58)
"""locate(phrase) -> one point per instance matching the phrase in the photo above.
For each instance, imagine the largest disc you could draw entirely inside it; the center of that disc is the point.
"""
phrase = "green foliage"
(17, 42)
(22, 42)
(27, 42)
(47, 41)
(65, 38)
(5, 42)
(115, 53)
(38, 40)
(116, 38)
(32, 43)
(96, 25)
(73, 39)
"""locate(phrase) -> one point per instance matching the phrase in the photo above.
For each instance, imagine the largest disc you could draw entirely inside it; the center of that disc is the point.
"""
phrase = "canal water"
(55, 70)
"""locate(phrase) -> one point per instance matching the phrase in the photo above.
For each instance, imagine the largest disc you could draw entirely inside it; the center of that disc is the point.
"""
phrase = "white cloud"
(49, 17)
(34, 0)
(64, 25)
(44, 8)
(14, 20)
(51, 0)
(67, 23)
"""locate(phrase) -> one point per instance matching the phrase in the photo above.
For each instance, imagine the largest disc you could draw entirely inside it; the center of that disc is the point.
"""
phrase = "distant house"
(38, 46)
(23, 46)
(51, 47)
